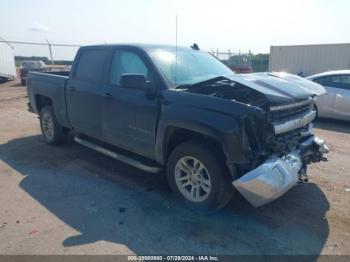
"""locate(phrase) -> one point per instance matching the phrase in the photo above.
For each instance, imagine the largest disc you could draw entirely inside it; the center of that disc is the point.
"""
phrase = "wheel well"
(177, 136)
(42, 101)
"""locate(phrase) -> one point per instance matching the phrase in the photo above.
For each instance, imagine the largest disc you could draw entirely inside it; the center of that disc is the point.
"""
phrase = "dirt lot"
(70, 200)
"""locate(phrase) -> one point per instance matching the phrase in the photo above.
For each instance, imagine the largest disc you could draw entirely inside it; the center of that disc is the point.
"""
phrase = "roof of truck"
(143, 46)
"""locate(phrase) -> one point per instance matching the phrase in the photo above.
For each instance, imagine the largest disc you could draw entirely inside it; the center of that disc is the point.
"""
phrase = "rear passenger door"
(129, 116)
(85, 89)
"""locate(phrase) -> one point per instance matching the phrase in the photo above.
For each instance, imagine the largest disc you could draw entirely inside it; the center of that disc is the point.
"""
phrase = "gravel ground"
(71, 200)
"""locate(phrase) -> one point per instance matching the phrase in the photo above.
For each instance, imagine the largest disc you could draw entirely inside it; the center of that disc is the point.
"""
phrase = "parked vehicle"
(183, 111)
(239, 64)
(30, 65)
(7, 62)
(336, 103)
(40, 66)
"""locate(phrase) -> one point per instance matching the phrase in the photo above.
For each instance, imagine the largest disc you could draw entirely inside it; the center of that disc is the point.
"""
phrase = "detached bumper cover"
(276, 175)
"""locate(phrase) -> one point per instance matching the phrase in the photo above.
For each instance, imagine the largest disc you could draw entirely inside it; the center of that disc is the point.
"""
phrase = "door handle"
(71, 88)
(107, 95)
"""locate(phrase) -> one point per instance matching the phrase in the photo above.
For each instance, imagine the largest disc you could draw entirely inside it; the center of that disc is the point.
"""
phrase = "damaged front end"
(292, 148)
(278, 144)
(278, 174)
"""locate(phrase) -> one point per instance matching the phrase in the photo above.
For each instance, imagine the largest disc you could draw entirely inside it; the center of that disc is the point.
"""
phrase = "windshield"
(188, 66)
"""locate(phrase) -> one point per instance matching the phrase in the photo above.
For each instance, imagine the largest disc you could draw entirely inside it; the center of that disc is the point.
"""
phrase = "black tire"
(23, 82)
(59, 133)
(221, 189)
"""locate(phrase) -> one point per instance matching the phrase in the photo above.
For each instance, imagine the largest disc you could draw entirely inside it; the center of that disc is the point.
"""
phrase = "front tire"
(53, 132)
(199, 177)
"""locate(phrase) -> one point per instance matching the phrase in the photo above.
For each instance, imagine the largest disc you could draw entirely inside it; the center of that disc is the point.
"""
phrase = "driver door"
(129, 116)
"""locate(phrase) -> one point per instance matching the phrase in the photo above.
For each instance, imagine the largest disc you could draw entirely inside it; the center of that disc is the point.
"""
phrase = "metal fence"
(54, 53)
(257, 62)
(50, 53)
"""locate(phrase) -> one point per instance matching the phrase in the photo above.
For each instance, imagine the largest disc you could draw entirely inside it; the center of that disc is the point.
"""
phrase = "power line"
(4, 41)
(37, 43)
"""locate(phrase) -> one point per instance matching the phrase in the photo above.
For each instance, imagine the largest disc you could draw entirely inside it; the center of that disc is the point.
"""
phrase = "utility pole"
(50, 50)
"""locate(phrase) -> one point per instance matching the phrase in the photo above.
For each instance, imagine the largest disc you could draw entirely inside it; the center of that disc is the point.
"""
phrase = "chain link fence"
(52, 54)
(243, 61)
(55, 54)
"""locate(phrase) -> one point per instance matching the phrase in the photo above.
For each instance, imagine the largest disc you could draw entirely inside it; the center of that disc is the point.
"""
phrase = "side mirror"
(136, 81)
(133, 81)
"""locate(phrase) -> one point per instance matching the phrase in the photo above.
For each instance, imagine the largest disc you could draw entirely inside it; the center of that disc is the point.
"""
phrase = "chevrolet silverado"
(180, 110)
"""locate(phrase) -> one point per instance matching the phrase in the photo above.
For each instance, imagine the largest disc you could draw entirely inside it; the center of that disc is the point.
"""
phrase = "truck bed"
(51, 85)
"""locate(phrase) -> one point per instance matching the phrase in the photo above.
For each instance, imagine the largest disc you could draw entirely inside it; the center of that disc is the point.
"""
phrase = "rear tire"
(199, 177)
(53, 132)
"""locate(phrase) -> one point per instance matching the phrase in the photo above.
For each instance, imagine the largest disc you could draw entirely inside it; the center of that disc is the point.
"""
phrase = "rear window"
(93, 65)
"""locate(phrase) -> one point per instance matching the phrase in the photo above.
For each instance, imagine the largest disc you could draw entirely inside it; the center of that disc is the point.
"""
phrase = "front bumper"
(278, 174)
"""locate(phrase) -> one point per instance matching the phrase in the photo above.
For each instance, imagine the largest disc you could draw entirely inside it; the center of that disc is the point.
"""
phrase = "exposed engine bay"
(231, 90)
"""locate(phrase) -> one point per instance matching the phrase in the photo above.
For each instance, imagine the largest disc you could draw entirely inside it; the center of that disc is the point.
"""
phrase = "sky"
(213, 24)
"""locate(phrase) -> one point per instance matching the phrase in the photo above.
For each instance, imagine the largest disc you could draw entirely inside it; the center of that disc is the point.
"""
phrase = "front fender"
(221, 127)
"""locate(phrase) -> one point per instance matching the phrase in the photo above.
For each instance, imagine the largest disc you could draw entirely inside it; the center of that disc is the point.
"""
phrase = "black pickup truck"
(169, 108)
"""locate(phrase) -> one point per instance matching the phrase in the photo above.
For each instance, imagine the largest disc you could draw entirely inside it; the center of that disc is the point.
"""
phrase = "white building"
(7, 61)
(309, 59)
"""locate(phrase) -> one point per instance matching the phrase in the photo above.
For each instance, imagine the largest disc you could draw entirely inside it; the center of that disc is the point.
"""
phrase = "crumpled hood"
(280, 87)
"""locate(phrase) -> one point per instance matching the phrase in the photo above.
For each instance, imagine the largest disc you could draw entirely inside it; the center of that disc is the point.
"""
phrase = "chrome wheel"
(48, 125)
(192, 179)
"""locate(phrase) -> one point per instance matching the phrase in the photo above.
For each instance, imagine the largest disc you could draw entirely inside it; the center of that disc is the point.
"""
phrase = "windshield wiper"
(185, 86)
(205, 82)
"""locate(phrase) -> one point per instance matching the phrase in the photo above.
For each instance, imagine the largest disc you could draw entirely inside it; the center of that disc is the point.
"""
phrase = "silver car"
(336, 103)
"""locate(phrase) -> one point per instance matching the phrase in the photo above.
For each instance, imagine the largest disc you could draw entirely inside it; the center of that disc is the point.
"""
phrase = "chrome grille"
(285, 142)
(283, 115)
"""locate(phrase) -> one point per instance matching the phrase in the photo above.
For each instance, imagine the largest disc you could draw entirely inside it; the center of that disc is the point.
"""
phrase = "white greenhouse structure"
(7, 61)
(309, 59)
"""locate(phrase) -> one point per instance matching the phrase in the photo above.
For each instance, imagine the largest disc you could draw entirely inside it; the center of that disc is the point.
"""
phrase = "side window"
(336, 81)
(92, 65)
(322, 80)
(339, 81)
(344, 81)
(126, 62)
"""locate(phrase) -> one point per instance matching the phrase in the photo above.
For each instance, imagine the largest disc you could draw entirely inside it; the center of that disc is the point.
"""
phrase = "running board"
(122, 158)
